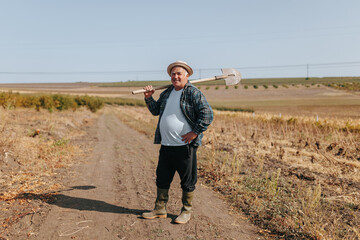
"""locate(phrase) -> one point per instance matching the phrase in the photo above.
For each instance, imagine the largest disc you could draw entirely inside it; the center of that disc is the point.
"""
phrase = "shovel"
(230, 75)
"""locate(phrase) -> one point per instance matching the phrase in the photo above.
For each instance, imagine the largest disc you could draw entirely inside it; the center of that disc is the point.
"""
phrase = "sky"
(114, 40)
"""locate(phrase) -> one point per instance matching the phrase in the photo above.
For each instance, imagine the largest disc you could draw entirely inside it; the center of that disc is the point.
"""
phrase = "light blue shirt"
(173, 123)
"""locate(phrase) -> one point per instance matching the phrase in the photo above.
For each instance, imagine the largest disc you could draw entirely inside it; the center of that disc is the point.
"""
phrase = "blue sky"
(88, 40)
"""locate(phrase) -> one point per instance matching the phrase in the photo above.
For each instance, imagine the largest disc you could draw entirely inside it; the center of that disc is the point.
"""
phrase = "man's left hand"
(187, 138)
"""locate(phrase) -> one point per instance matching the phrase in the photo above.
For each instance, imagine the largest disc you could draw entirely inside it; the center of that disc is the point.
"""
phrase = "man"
(184, 114)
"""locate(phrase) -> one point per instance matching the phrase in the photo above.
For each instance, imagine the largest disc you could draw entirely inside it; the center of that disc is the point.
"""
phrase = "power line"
(83, 72)
(273, 67)
(298, 65)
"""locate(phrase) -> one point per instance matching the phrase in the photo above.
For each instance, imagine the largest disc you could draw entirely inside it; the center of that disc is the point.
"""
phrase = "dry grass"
(136, 118)
(295, 177)
(36, 148)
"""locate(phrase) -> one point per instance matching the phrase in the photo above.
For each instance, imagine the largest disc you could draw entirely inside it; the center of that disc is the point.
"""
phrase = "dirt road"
(116, 184)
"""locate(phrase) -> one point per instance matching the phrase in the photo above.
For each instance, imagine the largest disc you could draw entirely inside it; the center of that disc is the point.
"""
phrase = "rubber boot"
(160, 205)
(186, 210)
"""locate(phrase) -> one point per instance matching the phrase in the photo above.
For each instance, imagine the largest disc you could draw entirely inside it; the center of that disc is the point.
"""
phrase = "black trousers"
(181, 159)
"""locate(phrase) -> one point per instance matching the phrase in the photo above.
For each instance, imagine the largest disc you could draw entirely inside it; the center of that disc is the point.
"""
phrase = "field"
(291, 166)
(285, 99)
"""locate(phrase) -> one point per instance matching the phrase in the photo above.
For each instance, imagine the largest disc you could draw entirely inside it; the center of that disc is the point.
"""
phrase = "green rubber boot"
(160, 205)
(186, 210)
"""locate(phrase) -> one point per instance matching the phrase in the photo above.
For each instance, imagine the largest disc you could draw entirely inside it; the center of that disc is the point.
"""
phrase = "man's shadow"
(82, 204)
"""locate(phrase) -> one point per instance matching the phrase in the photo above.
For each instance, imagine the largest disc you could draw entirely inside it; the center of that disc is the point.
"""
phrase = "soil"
(109, 190)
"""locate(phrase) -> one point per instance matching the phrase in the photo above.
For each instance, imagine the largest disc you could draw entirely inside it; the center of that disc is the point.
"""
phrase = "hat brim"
(180, 64)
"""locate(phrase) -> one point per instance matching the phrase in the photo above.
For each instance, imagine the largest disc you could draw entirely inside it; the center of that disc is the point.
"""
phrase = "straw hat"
(180, 64)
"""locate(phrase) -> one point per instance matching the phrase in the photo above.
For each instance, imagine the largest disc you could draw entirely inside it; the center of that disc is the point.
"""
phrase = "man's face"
(178, 78)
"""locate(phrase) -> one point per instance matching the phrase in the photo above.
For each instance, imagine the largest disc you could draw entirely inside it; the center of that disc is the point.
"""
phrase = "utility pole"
(307, 71)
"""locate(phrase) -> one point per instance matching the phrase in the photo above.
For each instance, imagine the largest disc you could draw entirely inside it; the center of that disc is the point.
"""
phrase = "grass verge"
(36, 150)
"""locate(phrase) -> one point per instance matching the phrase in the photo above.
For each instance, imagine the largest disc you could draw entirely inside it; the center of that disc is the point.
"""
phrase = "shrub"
(26, 102)
(255, 86)
(246, 87)
(49, 102)
(92, 103)
(62, 102)
(46, 102)
(275, 86)
(236, 87)
(7, 99)
(217, 87)
(265, 86)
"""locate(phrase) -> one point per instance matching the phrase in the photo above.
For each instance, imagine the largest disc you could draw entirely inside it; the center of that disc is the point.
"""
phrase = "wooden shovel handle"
(193, 81)
(155, 88)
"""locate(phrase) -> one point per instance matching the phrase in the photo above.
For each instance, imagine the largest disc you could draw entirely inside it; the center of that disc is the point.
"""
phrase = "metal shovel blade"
(233, 76)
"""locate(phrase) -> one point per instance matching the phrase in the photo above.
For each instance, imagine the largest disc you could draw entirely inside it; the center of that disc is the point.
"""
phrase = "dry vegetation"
(50, 102)
(36, 150)
(294, 177)
(346, 86)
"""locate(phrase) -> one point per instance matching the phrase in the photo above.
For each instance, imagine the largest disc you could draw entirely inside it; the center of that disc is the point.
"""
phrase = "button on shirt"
(173, 123)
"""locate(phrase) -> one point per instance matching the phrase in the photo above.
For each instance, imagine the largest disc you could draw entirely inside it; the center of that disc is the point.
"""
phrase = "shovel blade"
(233, 76)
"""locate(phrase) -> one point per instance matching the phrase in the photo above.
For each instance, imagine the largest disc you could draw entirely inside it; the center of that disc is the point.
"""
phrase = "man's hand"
(150, 92)
(187, 138)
